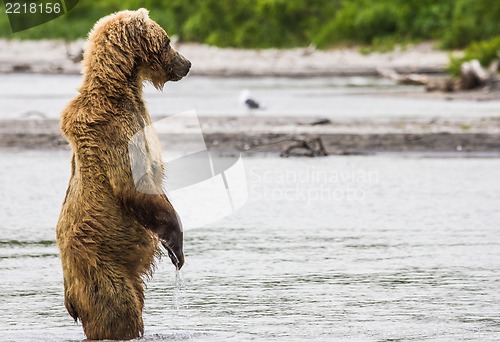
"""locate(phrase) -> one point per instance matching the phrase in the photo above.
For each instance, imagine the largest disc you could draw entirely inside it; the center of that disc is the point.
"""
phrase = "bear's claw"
(176, 258)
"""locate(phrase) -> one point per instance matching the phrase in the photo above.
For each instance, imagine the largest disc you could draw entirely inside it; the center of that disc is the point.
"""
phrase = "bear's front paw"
(175, 254)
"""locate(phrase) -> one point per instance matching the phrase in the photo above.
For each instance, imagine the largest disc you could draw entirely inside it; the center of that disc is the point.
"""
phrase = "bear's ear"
(138, 23)
(142, 13)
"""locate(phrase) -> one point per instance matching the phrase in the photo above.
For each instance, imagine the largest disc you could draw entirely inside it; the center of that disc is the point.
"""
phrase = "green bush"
(484, 51)
(292, 23)
(472, 20)
(384, 22)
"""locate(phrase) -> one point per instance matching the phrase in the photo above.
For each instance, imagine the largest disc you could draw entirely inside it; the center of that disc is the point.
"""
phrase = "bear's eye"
(166, 42)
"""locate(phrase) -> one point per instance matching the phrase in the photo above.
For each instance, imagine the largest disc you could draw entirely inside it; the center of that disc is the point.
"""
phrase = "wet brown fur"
(108, 230)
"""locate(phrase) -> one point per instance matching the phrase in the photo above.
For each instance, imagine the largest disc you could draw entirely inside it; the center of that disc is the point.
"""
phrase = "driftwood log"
(472, 76)
(402, 79)
(292, 146)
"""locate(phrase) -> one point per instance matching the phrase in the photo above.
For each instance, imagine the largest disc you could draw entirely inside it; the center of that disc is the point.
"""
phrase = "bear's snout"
(180, 65)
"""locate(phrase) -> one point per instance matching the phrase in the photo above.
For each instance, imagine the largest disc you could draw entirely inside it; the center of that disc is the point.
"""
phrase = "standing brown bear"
(111, 221)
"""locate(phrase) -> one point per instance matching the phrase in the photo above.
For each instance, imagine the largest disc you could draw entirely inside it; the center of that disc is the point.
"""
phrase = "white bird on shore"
(250, 103)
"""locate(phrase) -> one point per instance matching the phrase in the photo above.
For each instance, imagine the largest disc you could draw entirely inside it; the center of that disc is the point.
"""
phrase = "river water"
(28, 95)
(338, 248)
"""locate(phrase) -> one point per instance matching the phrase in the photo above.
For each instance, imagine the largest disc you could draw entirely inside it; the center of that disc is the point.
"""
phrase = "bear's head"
(129, 44)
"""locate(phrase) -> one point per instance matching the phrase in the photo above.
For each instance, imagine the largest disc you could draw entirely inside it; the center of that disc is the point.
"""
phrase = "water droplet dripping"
(179, 289)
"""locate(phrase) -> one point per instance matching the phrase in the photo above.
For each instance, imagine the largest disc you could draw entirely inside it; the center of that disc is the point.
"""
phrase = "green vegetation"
(291, 23)
(484, 51)
(239, 23)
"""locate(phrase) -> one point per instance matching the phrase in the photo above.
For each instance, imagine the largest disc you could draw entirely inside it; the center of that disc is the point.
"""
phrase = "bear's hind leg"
(115, 310)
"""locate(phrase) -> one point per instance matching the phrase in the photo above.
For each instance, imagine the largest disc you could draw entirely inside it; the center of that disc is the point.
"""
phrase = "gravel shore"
(54, 56)
(251, 135)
